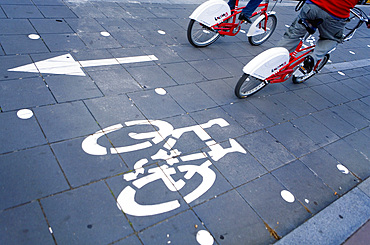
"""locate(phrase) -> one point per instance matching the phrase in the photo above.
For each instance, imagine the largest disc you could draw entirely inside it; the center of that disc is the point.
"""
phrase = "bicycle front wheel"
(248, 85)
(263, 35)
(312, 73)
(200, 35)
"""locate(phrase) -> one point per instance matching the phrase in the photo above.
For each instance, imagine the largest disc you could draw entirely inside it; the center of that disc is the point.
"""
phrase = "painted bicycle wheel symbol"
(126, 200)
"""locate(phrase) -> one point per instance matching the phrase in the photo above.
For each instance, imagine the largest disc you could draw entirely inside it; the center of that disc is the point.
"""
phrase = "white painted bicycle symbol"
(126, 199)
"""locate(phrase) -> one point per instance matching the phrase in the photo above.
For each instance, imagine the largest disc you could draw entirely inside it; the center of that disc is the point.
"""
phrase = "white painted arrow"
(66, 65)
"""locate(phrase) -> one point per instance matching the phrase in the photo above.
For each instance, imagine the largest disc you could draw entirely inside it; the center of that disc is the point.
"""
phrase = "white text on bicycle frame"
(126, 199)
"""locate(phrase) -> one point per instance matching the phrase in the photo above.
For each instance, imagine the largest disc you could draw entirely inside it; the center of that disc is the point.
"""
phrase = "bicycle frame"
(228, 29)
(295, 58)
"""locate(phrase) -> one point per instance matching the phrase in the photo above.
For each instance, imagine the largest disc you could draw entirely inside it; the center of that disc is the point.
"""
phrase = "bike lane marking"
(66, 65)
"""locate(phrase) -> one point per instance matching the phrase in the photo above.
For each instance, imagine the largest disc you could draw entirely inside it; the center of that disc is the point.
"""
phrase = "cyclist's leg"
(331, 33)
(231, 4)
(251, 7)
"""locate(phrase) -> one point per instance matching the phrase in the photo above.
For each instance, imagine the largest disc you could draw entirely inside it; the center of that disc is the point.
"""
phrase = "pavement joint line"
(337, 222)
(347, 65)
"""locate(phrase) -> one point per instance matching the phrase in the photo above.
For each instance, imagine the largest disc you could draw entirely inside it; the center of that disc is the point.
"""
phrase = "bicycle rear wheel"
(270, 28)
(200, 35)
(312, 73)
(248, 85)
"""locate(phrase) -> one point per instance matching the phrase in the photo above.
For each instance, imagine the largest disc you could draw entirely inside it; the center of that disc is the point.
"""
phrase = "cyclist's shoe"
(306, 68)
(245, 18)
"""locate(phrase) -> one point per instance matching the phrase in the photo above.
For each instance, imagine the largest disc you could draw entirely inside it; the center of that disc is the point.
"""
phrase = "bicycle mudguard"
(255, 29)
(267, 63)
(211, 12)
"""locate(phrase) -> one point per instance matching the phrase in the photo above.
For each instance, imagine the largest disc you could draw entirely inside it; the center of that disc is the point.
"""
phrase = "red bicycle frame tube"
(286, 71)
(227, 29)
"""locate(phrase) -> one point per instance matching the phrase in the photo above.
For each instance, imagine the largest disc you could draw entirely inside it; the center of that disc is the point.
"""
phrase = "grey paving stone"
(359, 142)
(164, 54)
(16, 2)
(25, 224)
(218, 132)
(267, 150)
(137, 12)
(98, 41)
(181, 229)
(182, 141)
(22, 11)
(152, 193)
(112, 110)
(152, 77)
(167, 25)
(210, 69)
(51, 26)
(182, 73)
(219, 186)
(237, 167)
(305, 186)
(142, 24)
(85, 10)
(330, 94)
(87, 214)
(350, 158)
(365, 187)
(315, 130)
(132, 240)
(360, 107)
(329, 170)
(84, 25)
(48, 2)
(29, 175)
(232, 224)
(264, 196)
(335, 123)
(65, 121)
(357, 86)
(90, 168)
(248, 116)
(351, 116)
(17, 134)
(294, 103)
(15, 26)
(96, 54)
(24, 93)
(56, 11)
(83, 87)
(313, 98)
(2, 15)
(115, 24)
(272, 108)
(219, 91)
(63, 42)
(190, 97)
(157, 37)
(189, 53)
(293, 139)
(234, 49)
(110, 9)
(130, 39)
(22, 44)
(232, 65)
(336, 224)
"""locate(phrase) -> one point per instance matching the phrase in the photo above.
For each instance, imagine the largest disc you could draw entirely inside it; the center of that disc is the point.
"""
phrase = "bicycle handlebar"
(362, 18)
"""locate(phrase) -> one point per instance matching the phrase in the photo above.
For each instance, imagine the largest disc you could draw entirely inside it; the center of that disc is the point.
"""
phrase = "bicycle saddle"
(310, 25)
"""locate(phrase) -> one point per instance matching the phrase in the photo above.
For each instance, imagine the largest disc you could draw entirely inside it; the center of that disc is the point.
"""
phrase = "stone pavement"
(115, 130)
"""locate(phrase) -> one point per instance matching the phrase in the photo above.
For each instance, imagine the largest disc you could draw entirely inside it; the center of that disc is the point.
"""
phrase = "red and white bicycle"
(277, 65)
(214, 18)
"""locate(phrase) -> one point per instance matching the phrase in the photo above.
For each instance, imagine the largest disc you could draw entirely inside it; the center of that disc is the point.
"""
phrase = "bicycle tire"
(200, 35)
(311, 74)
(248, 85)
(261, 38)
